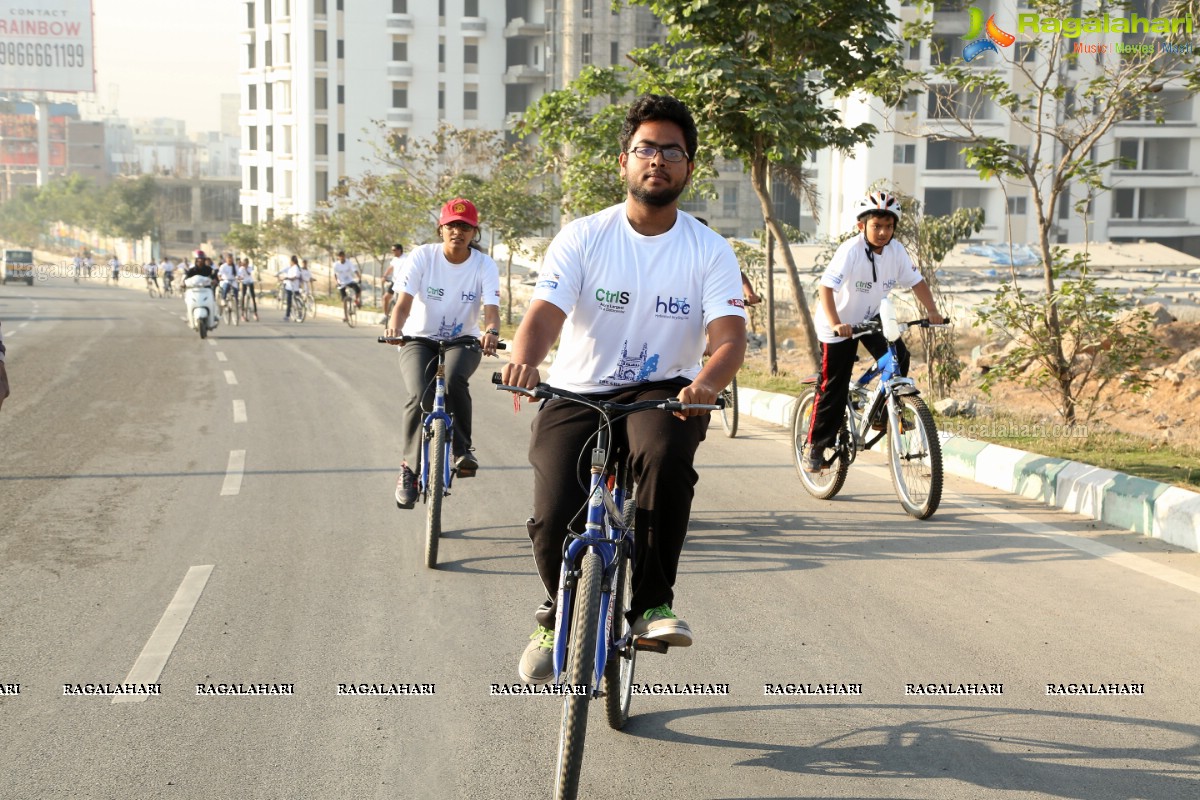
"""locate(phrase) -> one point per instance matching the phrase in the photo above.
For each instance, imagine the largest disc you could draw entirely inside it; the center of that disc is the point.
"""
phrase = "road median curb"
(1135, 504)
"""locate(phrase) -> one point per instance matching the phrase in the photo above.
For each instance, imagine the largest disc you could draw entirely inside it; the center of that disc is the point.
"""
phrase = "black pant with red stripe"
(837, 368)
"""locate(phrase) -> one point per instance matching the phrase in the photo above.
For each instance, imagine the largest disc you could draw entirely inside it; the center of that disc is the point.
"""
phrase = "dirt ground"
(1168, 411)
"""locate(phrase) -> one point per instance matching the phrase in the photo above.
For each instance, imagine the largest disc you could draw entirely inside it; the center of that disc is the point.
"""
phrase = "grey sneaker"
(537, 662)
(661, 625)
(813, 462)
(406, 488)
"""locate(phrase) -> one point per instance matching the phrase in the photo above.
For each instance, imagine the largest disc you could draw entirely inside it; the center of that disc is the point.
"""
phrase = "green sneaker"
(661, 625)
(537, 662)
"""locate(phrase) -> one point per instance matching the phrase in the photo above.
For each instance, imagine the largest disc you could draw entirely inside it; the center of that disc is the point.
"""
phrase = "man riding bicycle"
(227, 275)
(633, 290)
(348, 277)
(444, 288)
(862, 272)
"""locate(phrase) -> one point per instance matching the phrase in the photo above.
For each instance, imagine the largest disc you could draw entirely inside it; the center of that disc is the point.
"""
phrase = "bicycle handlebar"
(544, 391)
(458, 341)
(871, 326)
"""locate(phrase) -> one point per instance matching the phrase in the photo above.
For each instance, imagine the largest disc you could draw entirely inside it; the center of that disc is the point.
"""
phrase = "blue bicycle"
(594, 656)
(436, 471)
(894, 410)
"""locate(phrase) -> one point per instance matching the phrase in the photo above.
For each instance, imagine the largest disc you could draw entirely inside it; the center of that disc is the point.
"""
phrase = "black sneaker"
(814, 463)
(406, 488)
(467, 465)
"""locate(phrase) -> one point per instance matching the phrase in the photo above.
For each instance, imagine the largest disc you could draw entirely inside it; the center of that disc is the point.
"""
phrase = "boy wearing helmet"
(862, 272)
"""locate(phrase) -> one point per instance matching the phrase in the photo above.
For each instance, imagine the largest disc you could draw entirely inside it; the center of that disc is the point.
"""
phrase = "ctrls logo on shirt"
(992, 36)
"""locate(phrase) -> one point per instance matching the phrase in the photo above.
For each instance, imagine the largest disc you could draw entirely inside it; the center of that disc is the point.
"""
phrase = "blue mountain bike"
(595, 654)
(435, 473)
(895, 410)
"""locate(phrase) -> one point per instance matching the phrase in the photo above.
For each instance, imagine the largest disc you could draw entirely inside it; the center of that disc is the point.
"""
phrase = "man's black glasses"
(646, 152)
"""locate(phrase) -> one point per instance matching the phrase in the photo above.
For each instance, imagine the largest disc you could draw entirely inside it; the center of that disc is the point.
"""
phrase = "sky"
(168, 58)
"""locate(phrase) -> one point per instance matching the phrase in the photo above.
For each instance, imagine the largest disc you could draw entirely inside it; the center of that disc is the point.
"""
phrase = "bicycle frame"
(604, 532)
(438, 412)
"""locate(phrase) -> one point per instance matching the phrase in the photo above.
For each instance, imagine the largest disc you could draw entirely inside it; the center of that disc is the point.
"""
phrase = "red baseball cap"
(459, 210)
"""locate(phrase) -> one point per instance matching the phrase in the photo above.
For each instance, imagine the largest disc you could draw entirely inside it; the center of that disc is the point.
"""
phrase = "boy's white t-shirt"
(856, 292)
(637, 306)
(447, 298)
(343, 272)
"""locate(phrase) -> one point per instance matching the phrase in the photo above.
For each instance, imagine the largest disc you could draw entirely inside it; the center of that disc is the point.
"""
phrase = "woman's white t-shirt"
(637, 306)
(447, 298)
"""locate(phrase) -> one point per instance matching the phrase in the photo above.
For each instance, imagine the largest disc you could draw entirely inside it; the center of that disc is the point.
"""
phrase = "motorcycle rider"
(201, 295)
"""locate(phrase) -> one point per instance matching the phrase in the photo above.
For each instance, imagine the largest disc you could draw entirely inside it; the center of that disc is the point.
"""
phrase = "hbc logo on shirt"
(672, 306)
(468, 297)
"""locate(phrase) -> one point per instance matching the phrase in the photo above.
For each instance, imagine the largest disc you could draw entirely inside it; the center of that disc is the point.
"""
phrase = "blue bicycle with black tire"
(435, 472)
(595, 650)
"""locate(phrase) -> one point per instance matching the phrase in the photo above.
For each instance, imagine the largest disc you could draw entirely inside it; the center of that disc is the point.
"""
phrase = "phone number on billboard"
(28, 54)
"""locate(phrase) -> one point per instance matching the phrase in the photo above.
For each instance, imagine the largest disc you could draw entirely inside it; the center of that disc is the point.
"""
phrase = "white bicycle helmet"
(878, 201)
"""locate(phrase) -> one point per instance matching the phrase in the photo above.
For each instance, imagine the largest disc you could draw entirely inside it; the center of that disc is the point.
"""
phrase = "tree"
(928, 240)
(1060, 110)
(514, 204)
(129, 209)
(759, 76)
(250, 241)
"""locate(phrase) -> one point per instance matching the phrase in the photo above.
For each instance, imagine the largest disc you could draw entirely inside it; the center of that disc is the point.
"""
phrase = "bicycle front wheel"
(618, 670)
(299, 310)
(826, 484)
(434, 491)
(915, 457)
(310, 305)
(729, 414)
(581, 661)
(351, 310)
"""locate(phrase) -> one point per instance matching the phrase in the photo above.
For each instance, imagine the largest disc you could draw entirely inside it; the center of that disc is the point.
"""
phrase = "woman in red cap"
(440, 295)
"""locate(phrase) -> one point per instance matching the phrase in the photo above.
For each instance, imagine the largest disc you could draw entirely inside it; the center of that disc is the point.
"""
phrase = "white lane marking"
(233, 473)
(230, 378)
(211, 343)
(149, 665)
(1014, 519)
(23, 324)
(239, 410)
(185, 319)
(221, 356)
(1100, 550)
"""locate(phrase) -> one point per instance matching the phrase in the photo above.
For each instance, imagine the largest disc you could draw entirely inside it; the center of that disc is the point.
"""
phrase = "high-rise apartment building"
(1154, 197)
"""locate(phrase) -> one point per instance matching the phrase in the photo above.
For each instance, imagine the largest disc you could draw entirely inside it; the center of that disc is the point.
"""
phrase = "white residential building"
(1155, 198)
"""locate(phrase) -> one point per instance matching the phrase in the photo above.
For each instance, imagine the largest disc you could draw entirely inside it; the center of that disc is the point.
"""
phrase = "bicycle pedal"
(465, 473)
(652, 645)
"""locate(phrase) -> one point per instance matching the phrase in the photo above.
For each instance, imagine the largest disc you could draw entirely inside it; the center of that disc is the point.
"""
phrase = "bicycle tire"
(434, 491)
(827, 484)
(310, 306)
(581, 661)
(915, 458)
(349, 308)
(619, 669)
(729, 414)
(299, 310)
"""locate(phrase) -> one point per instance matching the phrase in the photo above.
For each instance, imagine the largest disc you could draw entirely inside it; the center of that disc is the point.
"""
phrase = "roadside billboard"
(46, 46)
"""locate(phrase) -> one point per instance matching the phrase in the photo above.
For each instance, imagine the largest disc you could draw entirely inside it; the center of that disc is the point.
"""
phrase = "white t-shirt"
(397, 268)
(448, 298)
(344, 272)
(152, 269)
(245, 274)
(856, 291)
(291, 278)
(226, 272)
(305, 276)
(637, 306)
(166, 266)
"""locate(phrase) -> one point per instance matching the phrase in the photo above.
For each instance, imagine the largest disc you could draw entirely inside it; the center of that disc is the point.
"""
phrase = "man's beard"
(658, 198)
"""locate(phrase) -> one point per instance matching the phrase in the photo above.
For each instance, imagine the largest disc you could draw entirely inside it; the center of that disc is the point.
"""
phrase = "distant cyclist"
(391, 276)
(446, 286)
(862, 272)
(227, 275)
(245, 275)
(347, 277)
(152, 274)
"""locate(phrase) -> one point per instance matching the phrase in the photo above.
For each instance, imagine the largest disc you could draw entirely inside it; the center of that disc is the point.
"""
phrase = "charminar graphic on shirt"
(452, 295)
(637, 306)
(857, 291)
